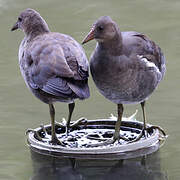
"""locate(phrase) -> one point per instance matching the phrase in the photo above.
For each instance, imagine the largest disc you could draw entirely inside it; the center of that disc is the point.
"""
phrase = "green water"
(20, 110)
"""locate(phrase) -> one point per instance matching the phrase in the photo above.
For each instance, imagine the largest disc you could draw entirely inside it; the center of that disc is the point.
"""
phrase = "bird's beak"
(15, 26)
(90, 36)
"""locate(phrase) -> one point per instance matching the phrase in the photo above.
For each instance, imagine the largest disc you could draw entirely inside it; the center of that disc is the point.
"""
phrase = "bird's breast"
(121, 83)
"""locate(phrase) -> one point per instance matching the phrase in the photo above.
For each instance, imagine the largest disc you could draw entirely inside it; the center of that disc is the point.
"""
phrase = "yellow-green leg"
(146, 129)
(144, 117)
(144, 123)
(116, 136)
(71, 109)
(54, 139)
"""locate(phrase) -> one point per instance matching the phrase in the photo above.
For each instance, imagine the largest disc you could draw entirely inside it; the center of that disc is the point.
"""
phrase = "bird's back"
(55, 64)
(135, 43)
(131, 76)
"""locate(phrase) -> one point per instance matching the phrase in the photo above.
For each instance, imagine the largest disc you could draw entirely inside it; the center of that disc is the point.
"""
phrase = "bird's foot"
(36, 133)
(107, 141)
(41, 135)
(146, 131)
(161, 130)
(56, 141)
(61, 125)
(80, 121)
(43, 129)
(143, 133)
(46, 136)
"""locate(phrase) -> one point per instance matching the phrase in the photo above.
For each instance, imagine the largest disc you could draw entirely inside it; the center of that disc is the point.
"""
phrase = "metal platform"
(78, 143)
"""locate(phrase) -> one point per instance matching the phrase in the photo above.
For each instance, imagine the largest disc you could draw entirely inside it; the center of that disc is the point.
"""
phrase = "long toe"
(117, 137)
(81, 121)
(67, 131)
(44, 129)
(56, 141)
(36, 134)
(150, 129)
(139, 137)
(146, 132)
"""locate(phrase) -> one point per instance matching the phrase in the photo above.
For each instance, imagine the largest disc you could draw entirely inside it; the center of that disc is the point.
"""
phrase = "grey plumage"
(54, 57)
(126, 66)
(54, 65)
(126, 78)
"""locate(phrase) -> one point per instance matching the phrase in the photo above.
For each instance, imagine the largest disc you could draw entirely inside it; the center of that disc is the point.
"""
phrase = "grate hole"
(108, 134)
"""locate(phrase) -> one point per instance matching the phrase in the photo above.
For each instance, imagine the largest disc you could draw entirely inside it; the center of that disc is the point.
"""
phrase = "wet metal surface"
(19, 110)
(90, 132)
(79, 141)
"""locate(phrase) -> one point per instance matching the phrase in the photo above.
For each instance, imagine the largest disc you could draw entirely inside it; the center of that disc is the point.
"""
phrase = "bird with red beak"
(126, 68)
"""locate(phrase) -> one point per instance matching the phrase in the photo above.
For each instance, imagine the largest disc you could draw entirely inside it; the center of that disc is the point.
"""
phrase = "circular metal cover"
(80, 140)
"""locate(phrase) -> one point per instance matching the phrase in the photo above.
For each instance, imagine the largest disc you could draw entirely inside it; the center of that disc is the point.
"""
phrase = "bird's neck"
(113, 46)
(36, 30)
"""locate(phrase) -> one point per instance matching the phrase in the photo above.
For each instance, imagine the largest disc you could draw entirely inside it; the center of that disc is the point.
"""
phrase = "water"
(19, 109)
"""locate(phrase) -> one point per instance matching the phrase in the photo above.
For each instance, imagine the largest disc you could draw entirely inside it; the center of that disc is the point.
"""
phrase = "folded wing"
(58, 69)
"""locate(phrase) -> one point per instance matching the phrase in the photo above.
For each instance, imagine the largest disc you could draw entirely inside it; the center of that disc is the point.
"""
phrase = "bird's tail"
(80, 88)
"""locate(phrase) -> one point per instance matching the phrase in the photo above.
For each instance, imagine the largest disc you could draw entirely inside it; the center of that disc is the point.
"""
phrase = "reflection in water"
(50, 168)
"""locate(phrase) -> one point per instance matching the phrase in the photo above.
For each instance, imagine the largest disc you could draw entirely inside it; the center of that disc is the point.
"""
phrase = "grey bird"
(126, 67)
(53, 65)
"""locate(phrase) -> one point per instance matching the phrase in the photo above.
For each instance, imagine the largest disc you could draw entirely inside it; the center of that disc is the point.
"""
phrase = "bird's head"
(29, 20)
(104, 29)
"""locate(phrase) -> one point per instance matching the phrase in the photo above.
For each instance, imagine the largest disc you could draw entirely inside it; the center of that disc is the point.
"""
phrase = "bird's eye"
(100, 28)
(19, 19)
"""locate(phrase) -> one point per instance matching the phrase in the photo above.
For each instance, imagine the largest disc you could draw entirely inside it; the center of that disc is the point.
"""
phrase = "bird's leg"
(144, 118)
(120, 109)
(71, 109)
(116, 136)
(76, 123)
(144, 124)
(54, 139)
(146, 129)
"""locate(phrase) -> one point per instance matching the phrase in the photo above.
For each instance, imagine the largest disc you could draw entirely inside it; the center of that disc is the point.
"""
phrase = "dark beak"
(15, 27)
(90, 36)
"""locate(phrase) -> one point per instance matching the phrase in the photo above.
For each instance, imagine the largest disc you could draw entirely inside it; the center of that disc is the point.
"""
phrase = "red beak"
(89, 37)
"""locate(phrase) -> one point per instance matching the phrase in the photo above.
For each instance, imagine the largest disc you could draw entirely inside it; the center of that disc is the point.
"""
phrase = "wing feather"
(55, 64)
(57, 87)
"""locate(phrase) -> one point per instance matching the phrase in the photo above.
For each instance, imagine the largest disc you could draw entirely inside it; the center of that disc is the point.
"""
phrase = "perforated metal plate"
(87, 132)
